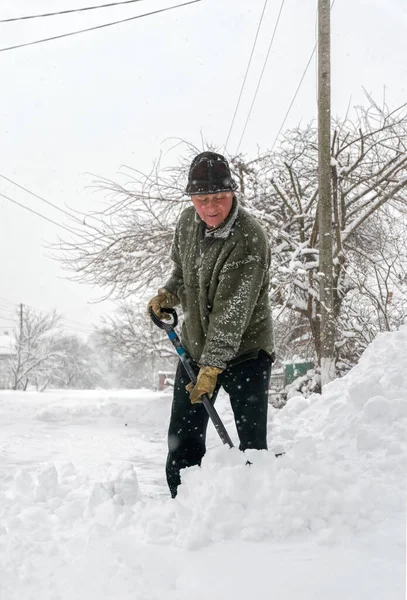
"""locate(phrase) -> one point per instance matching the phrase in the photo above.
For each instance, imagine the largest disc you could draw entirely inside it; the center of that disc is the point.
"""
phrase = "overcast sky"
(96, 101)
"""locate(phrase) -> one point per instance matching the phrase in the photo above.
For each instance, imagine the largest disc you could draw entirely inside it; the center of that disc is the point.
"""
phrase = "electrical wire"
(4, 300)
(298, 89)
(261, 75)
(66, 327)
(295, 95)
(64, 35)
(6, 308)
(7, 314)
(38, 214)
(6, 318)
(66, 12)
(42, 199)
(73, 323)
(77, 330)
(246, 74)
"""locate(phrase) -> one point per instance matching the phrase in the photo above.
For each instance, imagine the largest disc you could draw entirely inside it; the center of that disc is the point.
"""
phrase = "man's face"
(213, 208)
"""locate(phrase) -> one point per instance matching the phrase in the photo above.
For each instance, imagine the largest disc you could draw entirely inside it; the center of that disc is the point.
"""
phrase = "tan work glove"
(164, 300)
(206, 383)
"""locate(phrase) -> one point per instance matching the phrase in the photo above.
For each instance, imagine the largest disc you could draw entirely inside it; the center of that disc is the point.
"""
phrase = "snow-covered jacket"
(222, 280)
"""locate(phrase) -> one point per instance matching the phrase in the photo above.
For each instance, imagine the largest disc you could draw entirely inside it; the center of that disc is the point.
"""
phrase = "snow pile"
(58, 513)
(52, 526)
(343, 474)
(343, 471)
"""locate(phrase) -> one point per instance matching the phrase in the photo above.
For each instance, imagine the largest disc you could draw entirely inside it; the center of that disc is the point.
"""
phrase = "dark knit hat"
(209, 173)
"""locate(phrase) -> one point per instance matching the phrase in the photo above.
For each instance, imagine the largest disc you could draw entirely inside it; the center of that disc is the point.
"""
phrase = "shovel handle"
(161, 324)
(186, 361)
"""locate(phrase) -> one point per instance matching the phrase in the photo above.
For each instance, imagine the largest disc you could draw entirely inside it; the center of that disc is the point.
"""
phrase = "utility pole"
(17, 370)
(21, 321)
(327, 329)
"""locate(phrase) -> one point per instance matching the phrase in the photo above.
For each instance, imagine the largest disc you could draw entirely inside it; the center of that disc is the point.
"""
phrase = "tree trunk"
(315, 325)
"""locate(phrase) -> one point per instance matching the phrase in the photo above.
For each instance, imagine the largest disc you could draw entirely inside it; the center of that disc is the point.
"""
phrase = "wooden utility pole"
(325, 197)
(21, 321)
(16, 371)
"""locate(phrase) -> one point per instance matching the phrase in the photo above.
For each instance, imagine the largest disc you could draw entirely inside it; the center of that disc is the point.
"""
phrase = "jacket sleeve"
(239, 287)
(176, 278)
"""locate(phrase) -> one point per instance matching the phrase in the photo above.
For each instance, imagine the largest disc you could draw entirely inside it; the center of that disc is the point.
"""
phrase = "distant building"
(165, 379)
(7, 351)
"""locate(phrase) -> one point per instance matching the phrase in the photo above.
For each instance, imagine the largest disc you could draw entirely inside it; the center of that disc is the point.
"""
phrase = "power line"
(295, 95)
(75, 323)
(66, 324)
(8, 319)
(246, 74)
(4, 307)
(38, 214)
(65, 12)
(64, 35)
(7, 305)
(4, 300)
(6, 314)
(78, 330)
(8, 301)
(82, 330)
(261, 74)
(298, 89)
(42, 199)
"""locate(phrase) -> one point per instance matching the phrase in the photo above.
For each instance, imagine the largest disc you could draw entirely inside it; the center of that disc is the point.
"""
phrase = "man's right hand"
(205, 384)
(164, 299)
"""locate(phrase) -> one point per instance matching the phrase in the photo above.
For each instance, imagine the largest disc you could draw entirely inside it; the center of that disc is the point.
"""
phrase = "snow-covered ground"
(85, 513)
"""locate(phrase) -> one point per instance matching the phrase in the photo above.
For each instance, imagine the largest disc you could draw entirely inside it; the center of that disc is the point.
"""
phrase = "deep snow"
(84, 510)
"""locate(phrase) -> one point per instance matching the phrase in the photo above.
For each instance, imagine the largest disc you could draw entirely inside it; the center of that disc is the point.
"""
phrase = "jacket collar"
(224, 229)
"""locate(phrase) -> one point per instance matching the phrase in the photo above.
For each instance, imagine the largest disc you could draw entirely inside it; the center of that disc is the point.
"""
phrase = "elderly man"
(221, 258)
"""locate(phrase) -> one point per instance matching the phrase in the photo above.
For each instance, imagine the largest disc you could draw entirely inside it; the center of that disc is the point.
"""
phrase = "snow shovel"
(188, 365)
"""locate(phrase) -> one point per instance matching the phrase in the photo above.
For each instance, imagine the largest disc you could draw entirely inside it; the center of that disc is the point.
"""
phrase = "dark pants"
(247, 385)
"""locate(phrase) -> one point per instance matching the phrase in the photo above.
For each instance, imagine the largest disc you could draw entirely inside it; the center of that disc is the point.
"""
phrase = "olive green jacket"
(222, 280)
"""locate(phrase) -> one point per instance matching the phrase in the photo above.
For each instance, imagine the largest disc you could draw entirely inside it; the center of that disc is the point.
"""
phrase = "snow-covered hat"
(209, 173)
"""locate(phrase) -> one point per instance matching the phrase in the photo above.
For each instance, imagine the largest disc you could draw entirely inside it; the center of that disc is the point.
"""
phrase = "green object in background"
(294, 370)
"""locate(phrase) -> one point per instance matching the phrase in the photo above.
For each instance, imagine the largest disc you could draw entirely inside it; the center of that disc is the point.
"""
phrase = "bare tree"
(75, 364)
(36, 348)
(125, 249)
(132, 336)
(292, 337)
(369, 170)
(378, 275)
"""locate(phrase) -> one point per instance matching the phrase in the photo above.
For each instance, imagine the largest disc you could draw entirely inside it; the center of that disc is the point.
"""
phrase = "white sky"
(103, 99)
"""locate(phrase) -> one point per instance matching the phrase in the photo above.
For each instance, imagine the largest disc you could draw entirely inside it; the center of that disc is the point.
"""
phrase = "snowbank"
(343, 475)
(343, 471)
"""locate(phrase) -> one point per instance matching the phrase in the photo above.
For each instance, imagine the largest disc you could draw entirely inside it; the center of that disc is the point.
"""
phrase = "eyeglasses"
(205, 199)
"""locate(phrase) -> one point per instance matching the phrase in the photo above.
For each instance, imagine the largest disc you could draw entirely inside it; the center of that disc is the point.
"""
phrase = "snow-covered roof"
(7, 345)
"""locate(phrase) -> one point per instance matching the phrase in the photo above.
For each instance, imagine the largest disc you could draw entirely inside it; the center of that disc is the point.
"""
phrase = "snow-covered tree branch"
(125, 248)
(36, 349)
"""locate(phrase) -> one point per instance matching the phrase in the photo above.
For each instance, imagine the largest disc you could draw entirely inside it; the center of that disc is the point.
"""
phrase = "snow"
(7, 345)
(85, 513)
